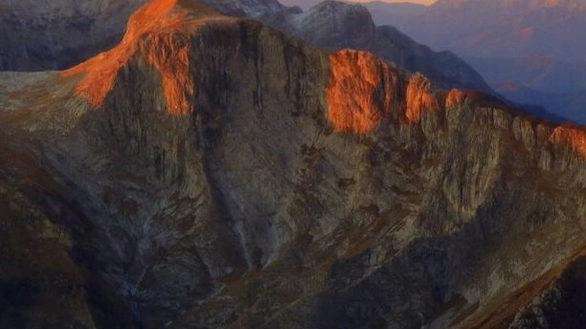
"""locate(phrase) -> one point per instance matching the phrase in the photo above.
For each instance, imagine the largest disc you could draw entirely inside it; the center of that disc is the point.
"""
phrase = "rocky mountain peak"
(250, 8)
(362, 89)
(339, 6)
(307, 187)
(158, 32)
(331, 24)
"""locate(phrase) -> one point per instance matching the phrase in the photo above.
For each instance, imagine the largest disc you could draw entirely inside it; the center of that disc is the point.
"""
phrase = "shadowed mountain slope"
(219, 174)
(47, 35)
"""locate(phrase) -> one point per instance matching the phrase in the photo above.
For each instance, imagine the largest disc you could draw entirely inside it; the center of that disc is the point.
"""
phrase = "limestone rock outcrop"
(275, 185)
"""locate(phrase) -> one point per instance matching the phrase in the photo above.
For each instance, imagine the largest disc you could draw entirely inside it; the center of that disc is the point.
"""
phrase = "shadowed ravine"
(275, 185)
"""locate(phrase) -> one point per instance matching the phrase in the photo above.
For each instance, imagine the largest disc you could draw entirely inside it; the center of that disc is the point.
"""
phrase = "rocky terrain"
(54, 35)
(211, 172)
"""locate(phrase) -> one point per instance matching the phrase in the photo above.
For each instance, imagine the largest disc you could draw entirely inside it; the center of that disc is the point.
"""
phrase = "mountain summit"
(211, 172)
(32, 43)
(158, 32)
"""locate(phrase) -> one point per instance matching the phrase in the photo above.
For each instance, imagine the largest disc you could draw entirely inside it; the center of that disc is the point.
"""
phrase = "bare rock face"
(209, 172)
(56, 34)
(361, 91)
(333, 24)
(59, 34)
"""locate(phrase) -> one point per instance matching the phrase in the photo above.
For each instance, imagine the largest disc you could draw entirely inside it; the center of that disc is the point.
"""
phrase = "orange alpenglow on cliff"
(420, 100)
(454, 98)
(573, 136)
(358, 81)
(159, 31)
(363, 89)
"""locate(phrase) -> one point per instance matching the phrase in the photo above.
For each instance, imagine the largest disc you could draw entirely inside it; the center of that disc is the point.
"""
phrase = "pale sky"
(421, 2)
(308, 3)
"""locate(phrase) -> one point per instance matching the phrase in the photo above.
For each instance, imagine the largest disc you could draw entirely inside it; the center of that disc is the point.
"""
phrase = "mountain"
(536, 44)
(211, 172)
(536, 72)
(396, 14)
(336, 25)
(383, 12)
(510, 28)
(42, 35)
(571, 101)
(333, 25)
(56, 34)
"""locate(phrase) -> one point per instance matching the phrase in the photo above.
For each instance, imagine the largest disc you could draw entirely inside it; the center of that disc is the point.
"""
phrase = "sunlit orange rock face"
(572, 136)
(420, 99)
(158, 31)
(361, 91)
(458, 97)
(174, 67)
(455, 97)
(364, 89)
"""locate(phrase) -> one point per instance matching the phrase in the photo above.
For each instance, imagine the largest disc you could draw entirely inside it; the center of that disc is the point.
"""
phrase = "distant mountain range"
(535, 44)
(40, 35)
(336, 25)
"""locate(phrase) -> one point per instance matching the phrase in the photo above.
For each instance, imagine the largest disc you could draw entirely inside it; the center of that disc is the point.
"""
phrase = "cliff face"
(273, 185)
(54, 35)
(41, 35)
